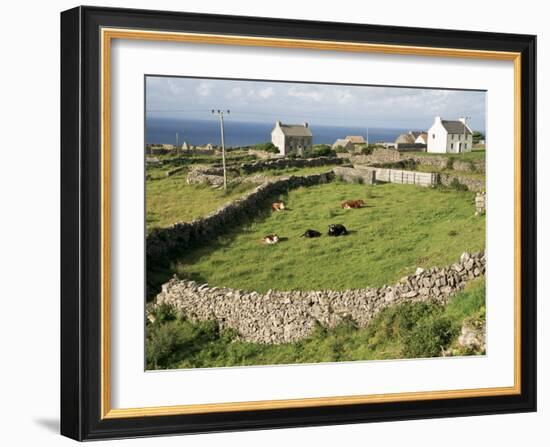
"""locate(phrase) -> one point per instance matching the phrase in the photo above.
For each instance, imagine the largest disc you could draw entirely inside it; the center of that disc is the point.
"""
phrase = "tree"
(477, 137)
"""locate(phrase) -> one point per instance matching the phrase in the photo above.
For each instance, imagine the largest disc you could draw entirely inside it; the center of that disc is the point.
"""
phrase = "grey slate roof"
(296, 130)
(455, 127)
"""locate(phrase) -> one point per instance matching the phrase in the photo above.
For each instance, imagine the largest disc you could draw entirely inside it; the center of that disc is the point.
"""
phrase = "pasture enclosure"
(402, 227)
(283, 317)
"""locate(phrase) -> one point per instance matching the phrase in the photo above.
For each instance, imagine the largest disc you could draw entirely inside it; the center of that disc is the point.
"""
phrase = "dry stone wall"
(281, 317)
(381, 156)
(165, 244)
(473, 184)
(283, 163)
(354, 174)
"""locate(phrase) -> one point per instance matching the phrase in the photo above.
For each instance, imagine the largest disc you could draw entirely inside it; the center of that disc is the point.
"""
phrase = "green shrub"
(164, 313)
(322, 150)
(167, 341)
(457, 186)
(267, 147)
(358, 180)
(367, 150)
(429, 337)
(477, 137)
(450, 163)
(340, 149)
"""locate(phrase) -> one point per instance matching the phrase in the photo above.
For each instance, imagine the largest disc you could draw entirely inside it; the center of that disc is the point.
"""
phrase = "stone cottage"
(447, 136)
(292, 138)
(407, 138)
(344, 143)
(358, 141)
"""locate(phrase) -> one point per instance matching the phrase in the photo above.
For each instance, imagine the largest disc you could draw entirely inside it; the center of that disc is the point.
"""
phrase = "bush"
(166, 341)
(477, 137)
(450, 163)
(367, 150)
(340, 149)
(323, 150)
(457, 186)
(429, 337)
(267, 147)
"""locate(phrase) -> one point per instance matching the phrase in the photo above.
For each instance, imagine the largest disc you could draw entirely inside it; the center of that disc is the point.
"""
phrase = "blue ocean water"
(238, 133)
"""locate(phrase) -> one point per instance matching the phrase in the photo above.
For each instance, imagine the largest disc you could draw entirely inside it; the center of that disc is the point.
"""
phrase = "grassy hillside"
(409, 330)
(171, 199)
(402, 227)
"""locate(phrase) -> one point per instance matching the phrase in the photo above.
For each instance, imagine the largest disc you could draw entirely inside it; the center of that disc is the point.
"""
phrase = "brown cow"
(277, 206)
(270, 239)
(349, 204)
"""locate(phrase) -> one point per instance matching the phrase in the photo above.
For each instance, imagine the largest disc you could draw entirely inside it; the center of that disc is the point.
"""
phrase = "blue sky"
(321, 104)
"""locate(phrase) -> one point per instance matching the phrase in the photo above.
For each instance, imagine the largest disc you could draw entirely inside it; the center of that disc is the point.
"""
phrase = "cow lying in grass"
(337, 230)
(311, 233)
(349, 204)
(270, 239)
(277, 206)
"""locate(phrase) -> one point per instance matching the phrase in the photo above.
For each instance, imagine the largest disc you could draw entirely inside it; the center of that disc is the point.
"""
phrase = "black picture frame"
(81, 223)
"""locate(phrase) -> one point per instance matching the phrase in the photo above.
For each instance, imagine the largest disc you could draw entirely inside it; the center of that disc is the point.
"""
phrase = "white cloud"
(266, 92)
(204, 89)
(306, 93)
(315, 103)
(344, 97)
(234, 92)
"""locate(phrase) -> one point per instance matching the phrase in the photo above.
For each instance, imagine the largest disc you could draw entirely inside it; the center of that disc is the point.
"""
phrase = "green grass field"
(401, 228)
(467, 174)
(410, 330)
(296, 171)
(171, 199)
(475, 154)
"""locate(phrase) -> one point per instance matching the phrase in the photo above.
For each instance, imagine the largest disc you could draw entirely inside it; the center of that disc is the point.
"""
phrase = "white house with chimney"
(453, 137)
(292, 138)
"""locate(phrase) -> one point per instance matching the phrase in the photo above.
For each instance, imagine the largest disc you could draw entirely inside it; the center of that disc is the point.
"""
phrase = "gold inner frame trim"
(107, 35)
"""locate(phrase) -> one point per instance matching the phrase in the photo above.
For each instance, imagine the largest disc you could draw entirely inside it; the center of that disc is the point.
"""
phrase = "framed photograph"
(276, 223)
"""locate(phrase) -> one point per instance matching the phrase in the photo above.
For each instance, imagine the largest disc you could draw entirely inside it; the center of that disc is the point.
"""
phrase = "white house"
(292, 138)
(449, 136)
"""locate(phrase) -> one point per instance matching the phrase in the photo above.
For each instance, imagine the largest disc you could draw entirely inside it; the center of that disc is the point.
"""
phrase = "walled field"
(171, 199)
(410, 330)
(401, 228)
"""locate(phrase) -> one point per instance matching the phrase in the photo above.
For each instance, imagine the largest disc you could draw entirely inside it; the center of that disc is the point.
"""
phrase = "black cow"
(337, 230)
(311, 233)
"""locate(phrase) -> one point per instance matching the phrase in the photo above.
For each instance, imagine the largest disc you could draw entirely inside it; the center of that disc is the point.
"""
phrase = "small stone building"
(407, 138)
(357, 140)
(344, 143)
(292, 138)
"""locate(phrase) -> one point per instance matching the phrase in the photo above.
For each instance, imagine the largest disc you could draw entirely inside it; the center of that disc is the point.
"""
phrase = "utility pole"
(177, 142)
(466, 118)
(221, 113)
